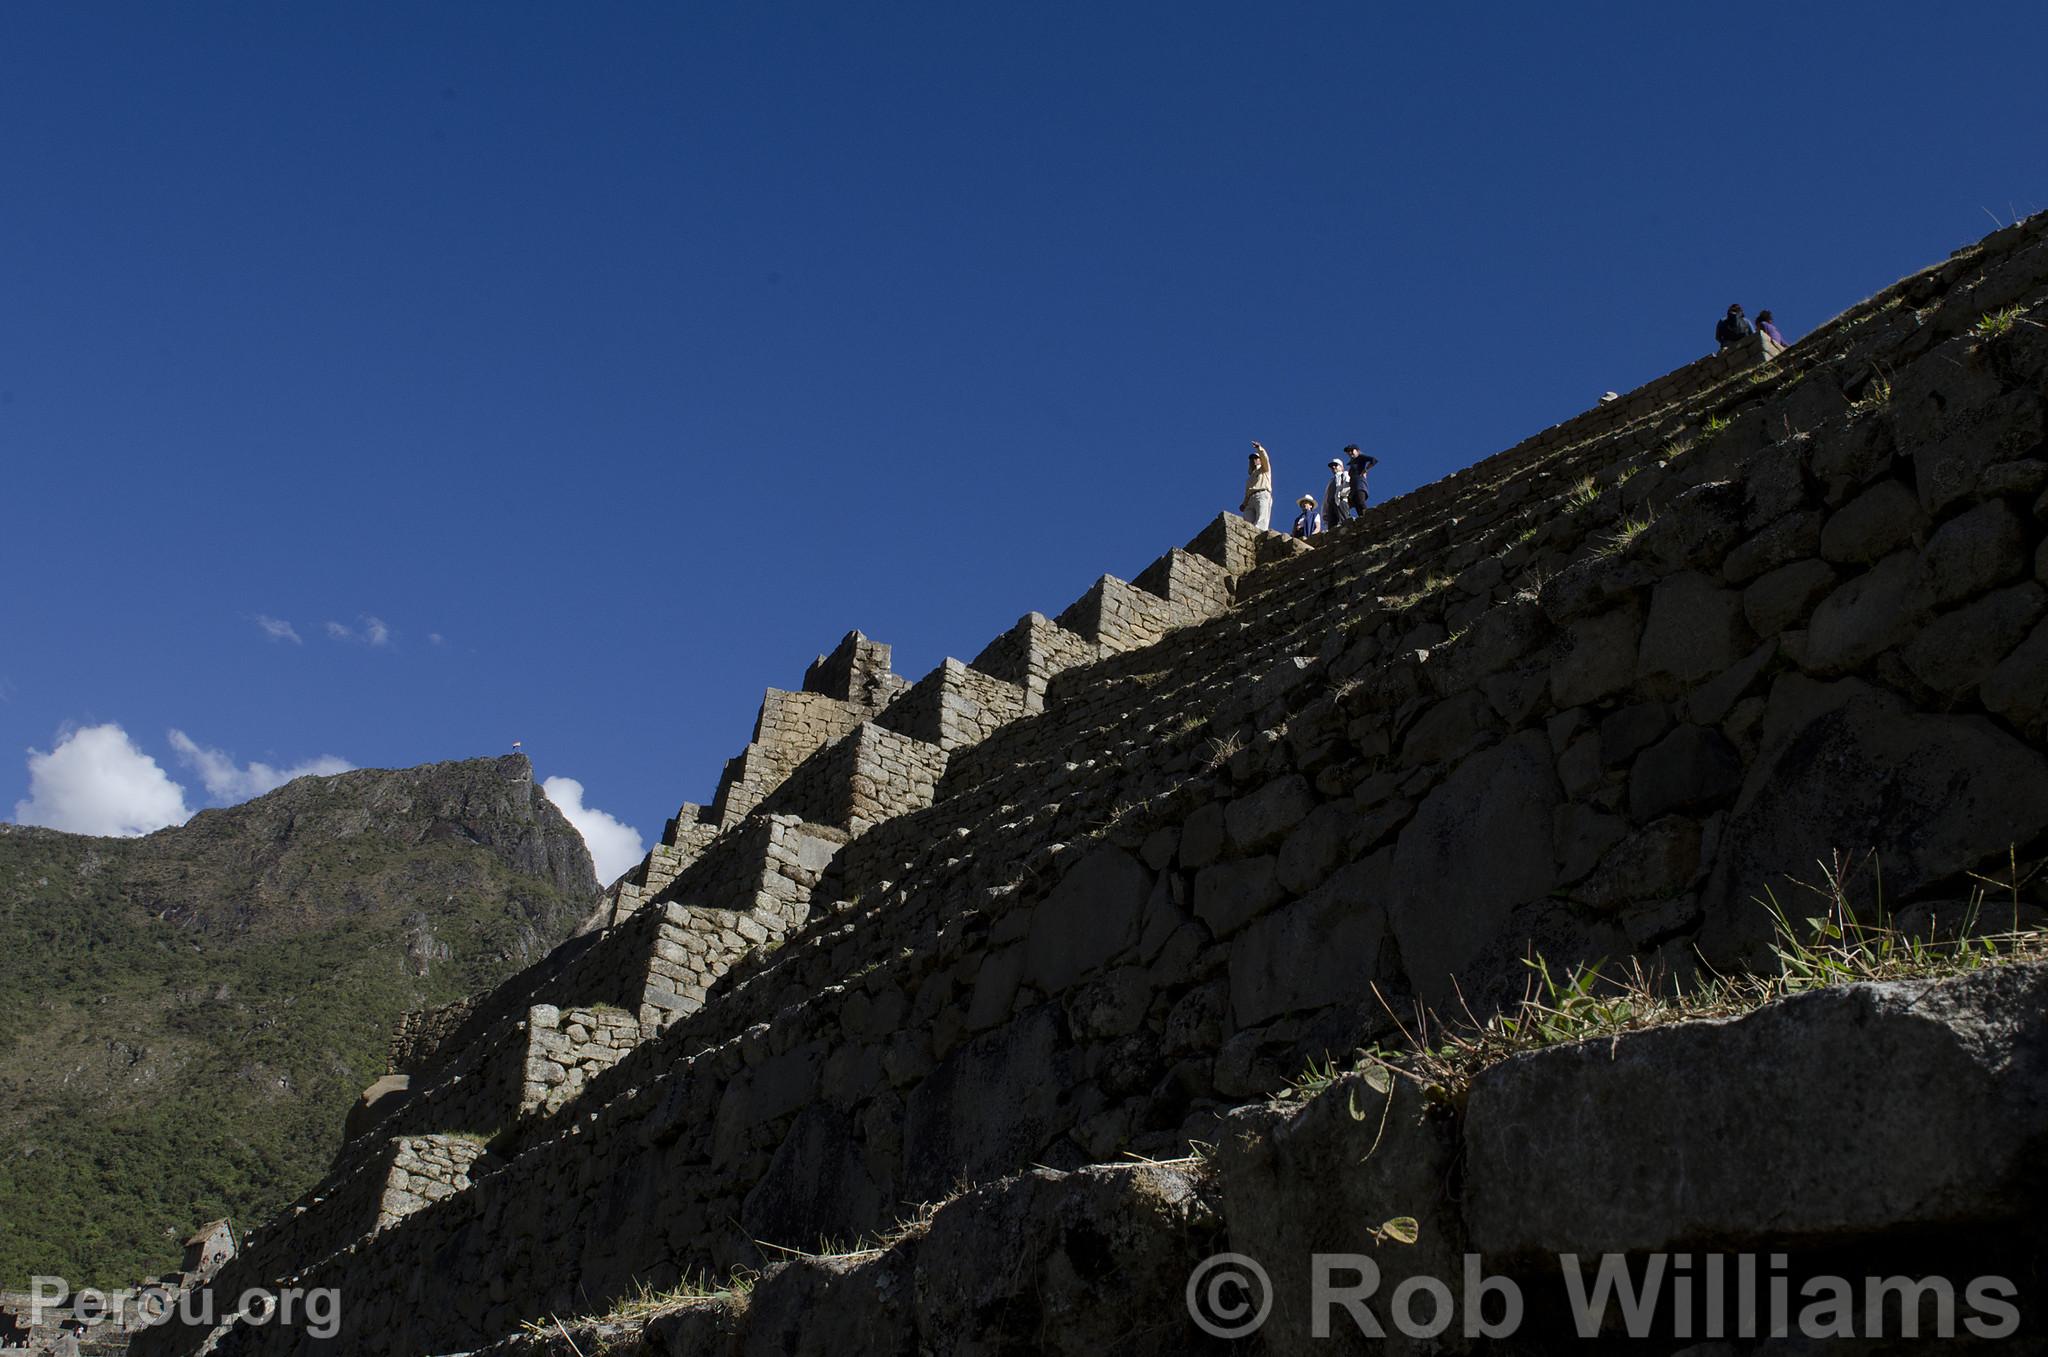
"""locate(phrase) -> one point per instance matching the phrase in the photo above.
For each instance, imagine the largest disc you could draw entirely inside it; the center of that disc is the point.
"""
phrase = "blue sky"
(570, 373)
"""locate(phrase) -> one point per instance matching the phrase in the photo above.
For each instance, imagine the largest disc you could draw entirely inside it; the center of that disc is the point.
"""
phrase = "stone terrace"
(1137, 865)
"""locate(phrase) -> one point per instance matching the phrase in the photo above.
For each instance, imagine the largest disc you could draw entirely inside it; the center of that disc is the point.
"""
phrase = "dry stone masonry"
(565, 1050)
(424, 1169)
(1107, 889)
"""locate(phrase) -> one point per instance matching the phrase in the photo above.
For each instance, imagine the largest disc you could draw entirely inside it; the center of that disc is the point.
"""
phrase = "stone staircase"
(1135, 863)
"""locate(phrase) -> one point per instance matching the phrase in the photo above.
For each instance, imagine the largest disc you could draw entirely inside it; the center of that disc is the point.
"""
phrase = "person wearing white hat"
(1336, 495)
(1258, 489)
(1308, 522)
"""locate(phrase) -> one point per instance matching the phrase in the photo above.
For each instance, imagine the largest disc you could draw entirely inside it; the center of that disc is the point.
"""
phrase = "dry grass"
(1583, 495)
(1432, 583)
(633, 1312)
(1623, 537)
(1531, 589)
(1221, 750)
(1839, 945)
(1875, 397)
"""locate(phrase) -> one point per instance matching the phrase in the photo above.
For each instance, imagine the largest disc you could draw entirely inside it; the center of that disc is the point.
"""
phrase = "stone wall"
(1118, 616)
(1586, 699)
(422, 1033)
(872, 775)
(841, 690)
(424, 1169)
(1030, 653)
(754, 887)
(1939, 1086)
(565, 1050)
(1194, 588)
(856, 672)
(954, 706)
(683, 840)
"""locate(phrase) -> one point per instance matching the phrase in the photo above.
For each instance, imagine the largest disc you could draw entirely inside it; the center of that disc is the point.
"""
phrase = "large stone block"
(1794, 537)
(1090, 917)
(992, 1105)
(1695, 630)
(817, 1187)
(1838, 1114)
(1448, 899)
(1067, 1265)
(1322, 949)
(770, 1091)
(1975, 550)
(1597, 658)
(1868, 615)
(1693, 766)
(1698, 527)
(1262, 819)
(1784, 597)
(1954, 651)
(826, 1306)
(2018, 688)
(1318, 1179)
(1872, 526)
(1846, 768)
(1231, 894)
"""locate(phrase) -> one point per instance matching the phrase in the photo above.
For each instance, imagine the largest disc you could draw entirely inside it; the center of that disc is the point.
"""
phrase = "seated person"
(1734, 327)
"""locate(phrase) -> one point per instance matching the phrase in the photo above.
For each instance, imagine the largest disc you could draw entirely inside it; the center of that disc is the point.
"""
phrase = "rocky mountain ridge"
(189, 1013)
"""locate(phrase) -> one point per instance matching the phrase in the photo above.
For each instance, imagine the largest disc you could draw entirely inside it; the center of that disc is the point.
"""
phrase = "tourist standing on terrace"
(1336, 495)
(1360, 463)
(1258, 489)
(1769, 329)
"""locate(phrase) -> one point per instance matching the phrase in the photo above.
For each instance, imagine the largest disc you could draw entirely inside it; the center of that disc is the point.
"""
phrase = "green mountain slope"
(185, 1018)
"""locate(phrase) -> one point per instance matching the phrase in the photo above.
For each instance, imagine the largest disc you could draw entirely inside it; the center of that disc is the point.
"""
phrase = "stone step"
(1118, 615)
(1194, 587)
(1233, 543)
(748, 891)
(855, 783)
(851, 685)
(954, 706)
(1030, 653)
(683, 840)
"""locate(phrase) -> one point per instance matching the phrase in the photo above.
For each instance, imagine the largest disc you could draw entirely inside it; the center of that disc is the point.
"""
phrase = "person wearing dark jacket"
(1308, 522)
(1734, 327)
(1360, 463)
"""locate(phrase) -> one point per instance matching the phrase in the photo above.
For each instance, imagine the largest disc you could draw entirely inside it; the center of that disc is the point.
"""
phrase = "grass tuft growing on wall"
(1839, 944)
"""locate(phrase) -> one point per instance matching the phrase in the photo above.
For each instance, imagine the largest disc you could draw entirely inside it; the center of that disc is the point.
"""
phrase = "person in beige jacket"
(1258, 489)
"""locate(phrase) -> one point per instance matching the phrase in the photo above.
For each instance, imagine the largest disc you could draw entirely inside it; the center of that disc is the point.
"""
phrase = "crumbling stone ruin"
(999, 971)
(57, 1322)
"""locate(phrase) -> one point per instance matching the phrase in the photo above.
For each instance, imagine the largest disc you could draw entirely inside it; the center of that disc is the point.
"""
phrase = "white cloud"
(614, 846)
(97, 782)
(375, 631)
(277, 629)
(228, 782)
